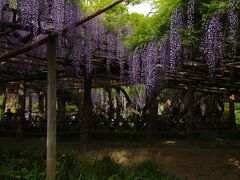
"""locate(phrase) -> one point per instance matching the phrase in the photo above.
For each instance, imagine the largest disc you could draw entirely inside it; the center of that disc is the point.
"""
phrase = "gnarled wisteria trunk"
(86, 125)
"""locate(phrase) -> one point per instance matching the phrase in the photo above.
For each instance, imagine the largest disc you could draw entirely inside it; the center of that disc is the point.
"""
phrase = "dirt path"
(217, 160)
(200, 163)
(212, 160)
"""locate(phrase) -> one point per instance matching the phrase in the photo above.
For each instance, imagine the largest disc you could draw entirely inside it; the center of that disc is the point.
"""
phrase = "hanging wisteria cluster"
(145, 60)
(233, 20)
(143, 66)
(57, 13)
(164, 54)
(81, 45)
(151, 60)
(135, 66)
(233, 24)
(5, 13)
(213, 41)
(98, 38)
(111, 47)
(120, 51)
(176, 40)
(29, 14)
(88, 51)
(78, 46)
(190, 15)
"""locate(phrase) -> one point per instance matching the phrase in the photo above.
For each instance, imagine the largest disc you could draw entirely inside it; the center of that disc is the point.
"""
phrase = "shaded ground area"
(218, 159)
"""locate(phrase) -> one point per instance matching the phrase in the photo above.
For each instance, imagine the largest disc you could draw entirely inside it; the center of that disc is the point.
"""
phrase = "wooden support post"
(51, 113)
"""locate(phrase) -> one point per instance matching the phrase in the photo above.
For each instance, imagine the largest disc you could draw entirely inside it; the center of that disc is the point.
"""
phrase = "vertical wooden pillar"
(51, 113)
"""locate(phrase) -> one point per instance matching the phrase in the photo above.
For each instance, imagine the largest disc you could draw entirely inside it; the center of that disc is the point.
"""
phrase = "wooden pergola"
(32, 68)
(42, 68)
(224, 79)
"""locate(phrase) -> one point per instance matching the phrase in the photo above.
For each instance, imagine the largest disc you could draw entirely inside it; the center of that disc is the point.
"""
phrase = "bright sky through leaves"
(143, 8)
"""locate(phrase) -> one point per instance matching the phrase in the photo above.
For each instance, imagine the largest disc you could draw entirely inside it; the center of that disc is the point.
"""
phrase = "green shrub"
(237, 113)
(30, 165)
(148, 170)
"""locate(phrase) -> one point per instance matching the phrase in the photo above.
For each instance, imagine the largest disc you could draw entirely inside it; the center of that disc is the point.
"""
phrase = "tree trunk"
(86, 127)
(61, 104)
(152, 115)
(125, 94)
(111, 108)
(80, 105)
(118, 108)
(41, 102)
(30, 107)
(4, 102)
(232, 118)
(190, 116)
(21, 109)
(45, 100)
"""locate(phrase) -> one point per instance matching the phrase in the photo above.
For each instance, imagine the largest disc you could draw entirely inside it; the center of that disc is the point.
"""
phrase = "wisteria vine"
(176, 40)
(233, 17)
(213, 41)
(190, 13)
